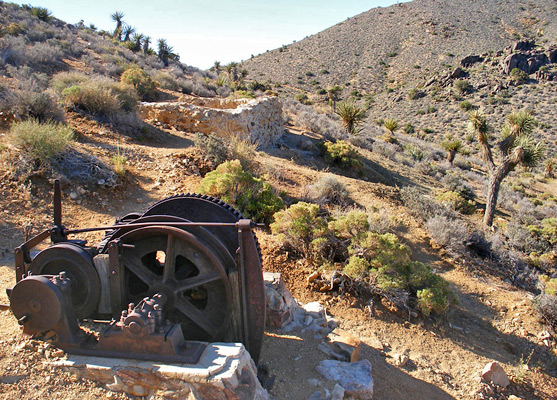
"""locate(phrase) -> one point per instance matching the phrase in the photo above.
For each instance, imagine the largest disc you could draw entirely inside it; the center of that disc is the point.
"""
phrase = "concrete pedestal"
(225, 371)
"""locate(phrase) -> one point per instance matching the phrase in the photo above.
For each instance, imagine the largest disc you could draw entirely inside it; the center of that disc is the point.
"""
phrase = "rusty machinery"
(186, 271)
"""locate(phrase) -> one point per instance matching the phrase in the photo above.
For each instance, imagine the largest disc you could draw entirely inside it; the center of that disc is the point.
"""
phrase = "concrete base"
(225, 371)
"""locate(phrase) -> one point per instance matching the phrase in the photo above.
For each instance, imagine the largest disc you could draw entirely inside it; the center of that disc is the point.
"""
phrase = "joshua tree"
(117, 17)
(166, 52)
(232, 70)
(146, 43)
(517, 147)
(216, 67)
(128, 31)
(334, 95)
(452, 147)
(352, 116)
(136, 40)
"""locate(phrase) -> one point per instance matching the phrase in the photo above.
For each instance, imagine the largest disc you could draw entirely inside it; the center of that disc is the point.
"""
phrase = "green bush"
(380, 261)
(415, 94)
(35, 105)
(466, 106)
(408, 128)
(299, 226)
(141, 82)
(254, 197)
(457, 202)
(40, 141)
(100, 98)
(342, 153)
(518, 76)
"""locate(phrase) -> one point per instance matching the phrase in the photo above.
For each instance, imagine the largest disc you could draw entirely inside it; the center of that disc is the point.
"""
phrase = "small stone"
(81, 190)
(338, 393)
(401, 359)
(345, 343)
(315, 309)
(494, 373)
(73, 195)
(313, 276)
(101, 182)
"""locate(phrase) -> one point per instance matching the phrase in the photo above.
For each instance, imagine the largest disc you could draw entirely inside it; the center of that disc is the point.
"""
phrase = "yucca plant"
(517, 146)
(452, 147)
(352, 116)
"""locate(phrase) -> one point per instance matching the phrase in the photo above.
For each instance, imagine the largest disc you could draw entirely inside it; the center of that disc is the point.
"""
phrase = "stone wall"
(258, 120)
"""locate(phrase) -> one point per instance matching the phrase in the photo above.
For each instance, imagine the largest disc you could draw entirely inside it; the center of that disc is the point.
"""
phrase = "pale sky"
(205, 31)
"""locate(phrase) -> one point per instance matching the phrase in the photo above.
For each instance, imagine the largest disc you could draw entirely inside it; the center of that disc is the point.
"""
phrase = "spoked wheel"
(188, 273)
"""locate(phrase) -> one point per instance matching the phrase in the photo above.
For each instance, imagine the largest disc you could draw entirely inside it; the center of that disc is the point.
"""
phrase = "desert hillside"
(372, 195)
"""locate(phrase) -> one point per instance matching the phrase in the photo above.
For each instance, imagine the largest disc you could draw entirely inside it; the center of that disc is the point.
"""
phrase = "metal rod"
(154, 223)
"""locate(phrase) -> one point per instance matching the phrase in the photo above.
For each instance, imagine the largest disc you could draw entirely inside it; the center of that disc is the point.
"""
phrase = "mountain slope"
(403, 43)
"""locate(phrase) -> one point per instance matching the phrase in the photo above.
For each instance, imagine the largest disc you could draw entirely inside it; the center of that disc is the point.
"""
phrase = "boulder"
(345, 344)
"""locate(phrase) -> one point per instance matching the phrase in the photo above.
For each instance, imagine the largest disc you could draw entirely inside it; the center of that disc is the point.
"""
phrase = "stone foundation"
(258, 120)
(225, 371)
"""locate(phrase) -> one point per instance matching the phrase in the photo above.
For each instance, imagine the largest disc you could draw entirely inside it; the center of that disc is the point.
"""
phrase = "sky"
(204, 31)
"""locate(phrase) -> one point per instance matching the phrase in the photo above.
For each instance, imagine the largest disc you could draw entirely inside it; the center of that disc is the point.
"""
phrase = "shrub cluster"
(342, 153)
(254, 197)
(218, 149)
(40, 141)
(378, 260)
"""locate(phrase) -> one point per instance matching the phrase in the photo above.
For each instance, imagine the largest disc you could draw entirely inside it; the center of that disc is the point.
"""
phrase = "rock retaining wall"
(259, 120)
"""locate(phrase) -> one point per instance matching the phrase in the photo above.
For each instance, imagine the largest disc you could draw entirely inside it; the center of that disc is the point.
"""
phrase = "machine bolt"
(23, 319)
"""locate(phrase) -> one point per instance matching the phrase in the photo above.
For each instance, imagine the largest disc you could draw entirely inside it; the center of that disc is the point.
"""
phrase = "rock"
(400, 359)
(338, 393)
(494, 373)
(523, 45)
(315, 309)
(73, 195)
(281, 305)
(346, 344)
(513, 397)
(458, 73)
(355, 378)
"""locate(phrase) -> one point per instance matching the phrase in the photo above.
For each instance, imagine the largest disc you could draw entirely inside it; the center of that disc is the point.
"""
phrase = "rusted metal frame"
(115, 277)
(149, 224)
(252, 289)
(22, 255)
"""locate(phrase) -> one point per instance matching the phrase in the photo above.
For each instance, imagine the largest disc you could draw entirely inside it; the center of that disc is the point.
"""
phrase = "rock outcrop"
(258, 120)
(525, 57)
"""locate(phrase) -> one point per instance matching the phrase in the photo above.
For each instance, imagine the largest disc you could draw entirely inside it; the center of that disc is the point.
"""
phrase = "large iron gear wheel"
(185, 271)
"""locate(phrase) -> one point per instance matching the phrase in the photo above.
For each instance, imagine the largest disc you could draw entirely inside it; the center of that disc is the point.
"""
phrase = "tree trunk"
(493, 186)
(451, 156)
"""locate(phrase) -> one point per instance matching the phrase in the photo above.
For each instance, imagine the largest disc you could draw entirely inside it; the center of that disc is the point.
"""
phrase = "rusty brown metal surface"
(196, 253)
(253, 289)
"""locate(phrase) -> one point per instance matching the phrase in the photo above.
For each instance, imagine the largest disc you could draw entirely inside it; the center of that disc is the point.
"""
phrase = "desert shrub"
(378, 260)
(254, 197)
(342, 153)
(299, 226)
(414, 151)
(447, 232)
(363, 140)
(466, 105)
(303, 98)
(213, 147)
(329, 190)
(546, 305)
(40, 141)
(97, 95)
(64, 80)
(141, 82)
(462, 86)
(457, 202)
(119, 163)
(41, 106)
(423, 206)
(166, 81)
(518, 76)
(454, 182)
(408, 128)
(415, 94)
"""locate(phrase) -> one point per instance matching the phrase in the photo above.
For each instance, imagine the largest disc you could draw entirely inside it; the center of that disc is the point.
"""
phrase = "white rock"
(494, 373)
(355, 378)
